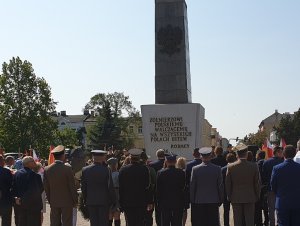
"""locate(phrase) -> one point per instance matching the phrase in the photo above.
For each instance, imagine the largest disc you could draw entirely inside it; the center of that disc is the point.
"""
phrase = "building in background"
(268, 124)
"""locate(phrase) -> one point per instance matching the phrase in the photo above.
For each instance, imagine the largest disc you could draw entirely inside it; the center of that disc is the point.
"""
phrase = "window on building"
(140, 130)
(131, 129)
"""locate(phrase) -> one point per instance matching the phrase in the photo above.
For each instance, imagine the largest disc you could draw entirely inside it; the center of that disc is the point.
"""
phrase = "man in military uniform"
(98, 189)
(243, 187)
(135, 194)
(170, 193)
(206, 191)
(59, 184)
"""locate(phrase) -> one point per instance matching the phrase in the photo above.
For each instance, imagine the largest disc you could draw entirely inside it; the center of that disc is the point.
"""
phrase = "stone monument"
(173, 123)
(172, 63)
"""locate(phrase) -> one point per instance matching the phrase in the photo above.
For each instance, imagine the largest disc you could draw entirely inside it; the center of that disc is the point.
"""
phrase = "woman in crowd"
(115, 213)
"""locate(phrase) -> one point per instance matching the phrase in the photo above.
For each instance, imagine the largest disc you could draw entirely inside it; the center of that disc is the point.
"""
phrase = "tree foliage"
(114, 114)
(256, 138)
(289, 128)
(67, 137)
(25, 107)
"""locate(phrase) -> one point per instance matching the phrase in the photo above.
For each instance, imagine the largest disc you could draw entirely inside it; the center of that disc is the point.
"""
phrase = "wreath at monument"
(170, 38)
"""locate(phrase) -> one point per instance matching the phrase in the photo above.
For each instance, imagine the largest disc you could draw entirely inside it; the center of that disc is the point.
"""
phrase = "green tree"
(256, 138)
(67, 137)
(289, 128)
(25, 107)
(114, 113)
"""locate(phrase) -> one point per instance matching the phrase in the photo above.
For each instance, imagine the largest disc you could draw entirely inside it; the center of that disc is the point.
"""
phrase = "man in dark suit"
(266, 174)
(98, 189)
(59, 184)
(286, 186)
(157, 166)
(27, 190)
(230, 158)
(134, 189)
(220, 159)
(206, 191)
(159, 163)
(189, 166)
(5, 194)
(262, 204)
(243, 187)
(170, 193)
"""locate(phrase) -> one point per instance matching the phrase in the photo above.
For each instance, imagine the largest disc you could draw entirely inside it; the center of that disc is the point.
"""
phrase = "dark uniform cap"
(60, 149)
(171, 157)
(112, 161)
(98, 152)
(205, 151)
(135, 152)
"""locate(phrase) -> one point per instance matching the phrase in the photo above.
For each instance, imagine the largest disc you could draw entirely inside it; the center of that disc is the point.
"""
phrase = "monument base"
(176, 128)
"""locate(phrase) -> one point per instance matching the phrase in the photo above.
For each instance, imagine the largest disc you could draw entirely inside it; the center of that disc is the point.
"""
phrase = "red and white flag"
(282, 143)
(267, 147)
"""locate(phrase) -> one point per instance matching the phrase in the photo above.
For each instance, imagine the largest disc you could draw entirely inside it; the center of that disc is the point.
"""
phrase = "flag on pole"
(267, 147)
(34, 156)
(51, 157)
(282, 143)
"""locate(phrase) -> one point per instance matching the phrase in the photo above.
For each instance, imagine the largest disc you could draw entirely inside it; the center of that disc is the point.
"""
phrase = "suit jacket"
(134, 182)
(59, 184)
(268, 168)
(157, 165)
(286, 185)
(6, 179)
(243, 182)
(28, 186)
(170, 188)
(206, 184)
(97, 186)
(220, 160)
(189, 168)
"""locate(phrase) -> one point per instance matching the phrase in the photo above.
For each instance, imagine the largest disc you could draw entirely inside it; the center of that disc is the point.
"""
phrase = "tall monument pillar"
(173, 123)
(172, 63)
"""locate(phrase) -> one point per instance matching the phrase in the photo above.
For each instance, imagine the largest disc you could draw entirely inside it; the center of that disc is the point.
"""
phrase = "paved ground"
(82, 222)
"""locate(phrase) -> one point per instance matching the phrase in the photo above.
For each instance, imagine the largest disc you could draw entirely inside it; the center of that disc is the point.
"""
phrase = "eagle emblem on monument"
(169, 39)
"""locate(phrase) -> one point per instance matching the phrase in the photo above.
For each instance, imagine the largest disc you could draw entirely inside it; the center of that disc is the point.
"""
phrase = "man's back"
(268, 168)
(242, 182)
(170, 188)
(286, 184)
(134, 181)
(157, 165)
(97, 185)
(206, 184)
(5, 186)
(59, 185)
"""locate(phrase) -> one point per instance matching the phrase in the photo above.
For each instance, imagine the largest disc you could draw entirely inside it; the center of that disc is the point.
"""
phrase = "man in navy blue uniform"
(5, 194)
(27, 190)
(98, 189)
(170, 193)
(285, 184)
(134, 190)
(266, 175)
(197, 161)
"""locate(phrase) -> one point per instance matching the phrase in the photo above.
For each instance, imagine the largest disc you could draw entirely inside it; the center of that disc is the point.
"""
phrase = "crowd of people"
(260, 192)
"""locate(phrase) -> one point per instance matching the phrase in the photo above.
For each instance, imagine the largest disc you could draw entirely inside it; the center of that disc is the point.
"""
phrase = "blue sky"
(244, 54)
